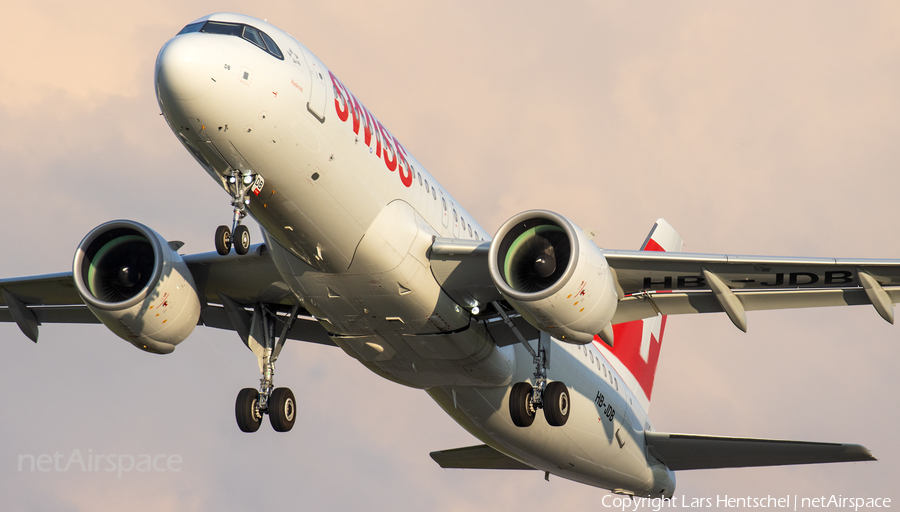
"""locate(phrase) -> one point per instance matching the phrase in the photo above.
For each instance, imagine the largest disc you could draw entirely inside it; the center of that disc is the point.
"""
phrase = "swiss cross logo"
(637, 343)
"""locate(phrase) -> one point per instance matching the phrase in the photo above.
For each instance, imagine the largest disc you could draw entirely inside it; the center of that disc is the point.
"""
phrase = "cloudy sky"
(769, 128)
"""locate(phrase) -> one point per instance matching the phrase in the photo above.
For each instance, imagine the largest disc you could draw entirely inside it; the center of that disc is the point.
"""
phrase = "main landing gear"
(526, 398)
(278, 403)
(258, 333)
(239, 186)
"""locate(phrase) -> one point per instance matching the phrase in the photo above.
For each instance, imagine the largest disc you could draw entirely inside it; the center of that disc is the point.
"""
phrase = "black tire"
(245, 412)
(241, 239)
(557, 404)
(282, 409)
(520, 408)
(223, 240)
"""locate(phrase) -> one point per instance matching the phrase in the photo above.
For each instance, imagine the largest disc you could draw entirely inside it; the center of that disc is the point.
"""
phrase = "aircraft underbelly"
(590, 448)
(388, 311)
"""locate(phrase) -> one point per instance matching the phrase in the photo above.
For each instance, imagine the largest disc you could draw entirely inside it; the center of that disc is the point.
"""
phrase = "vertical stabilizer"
(637, 345)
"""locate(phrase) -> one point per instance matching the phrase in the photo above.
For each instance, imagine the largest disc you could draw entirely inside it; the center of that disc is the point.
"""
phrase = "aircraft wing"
(246, 280)
(682, 283)
(669, 283)
(688, 451)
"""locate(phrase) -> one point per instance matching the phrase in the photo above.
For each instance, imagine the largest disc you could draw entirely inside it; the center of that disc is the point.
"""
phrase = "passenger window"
(426, 186)
(433, 194)
(420, 178)
(604, 371)
(445, 203)
(470, 230)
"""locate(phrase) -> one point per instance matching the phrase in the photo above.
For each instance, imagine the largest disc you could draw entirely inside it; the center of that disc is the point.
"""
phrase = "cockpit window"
(193, 27)
(228, 29)
(251, 34)
(273, 48)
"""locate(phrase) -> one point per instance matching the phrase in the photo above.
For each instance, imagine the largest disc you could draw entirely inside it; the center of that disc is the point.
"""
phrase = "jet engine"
(137, 285)
(554, 276)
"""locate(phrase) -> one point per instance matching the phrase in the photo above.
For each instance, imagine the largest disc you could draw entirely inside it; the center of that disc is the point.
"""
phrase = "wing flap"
(688, 451)
(476, 457)
(647, 305)
(55, 315)
(304, 329)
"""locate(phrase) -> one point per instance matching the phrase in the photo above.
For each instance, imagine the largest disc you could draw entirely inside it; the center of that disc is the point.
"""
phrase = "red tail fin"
(636, 350)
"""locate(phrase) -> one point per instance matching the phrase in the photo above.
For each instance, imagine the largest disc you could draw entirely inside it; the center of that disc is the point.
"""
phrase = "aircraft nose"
(186, 65)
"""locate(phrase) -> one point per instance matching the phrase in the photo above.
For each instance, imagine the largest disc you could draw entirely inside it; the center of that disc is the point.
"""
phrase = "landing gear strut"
(258, 333)
(526, 398)
(239, 186)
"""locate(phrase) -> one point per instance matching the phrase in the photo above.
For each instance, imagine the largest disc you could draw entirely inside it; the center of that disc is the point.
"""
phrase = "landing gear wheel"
(245, 410)
(241, 239)
(282, 409)
(521, 409)
(556, 404)
(223, 240)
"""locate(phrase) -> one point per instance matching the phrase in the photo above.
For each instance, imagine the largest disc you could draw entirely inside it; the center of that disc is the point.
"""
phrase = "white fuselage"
(349, 216)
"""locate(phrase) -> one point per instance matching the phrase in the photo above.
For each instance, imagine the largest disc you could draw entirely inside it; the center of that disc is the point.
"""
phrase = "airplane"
(363, 249)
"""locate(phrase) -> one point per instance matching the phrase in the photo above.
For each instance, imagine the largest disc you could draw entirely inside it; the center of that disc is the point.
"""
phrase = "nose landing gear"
(239, 186)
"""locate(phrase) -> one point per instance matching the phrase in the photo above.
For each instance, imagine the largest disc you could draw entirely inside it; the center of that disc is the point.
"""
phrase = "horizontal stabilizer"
(476, 457)
(687, 451)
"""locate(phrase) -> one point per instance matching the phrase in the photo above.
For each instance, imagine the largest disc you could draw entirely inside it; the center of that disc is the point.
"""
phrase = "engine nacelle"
(137, 285)
(554, 276)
